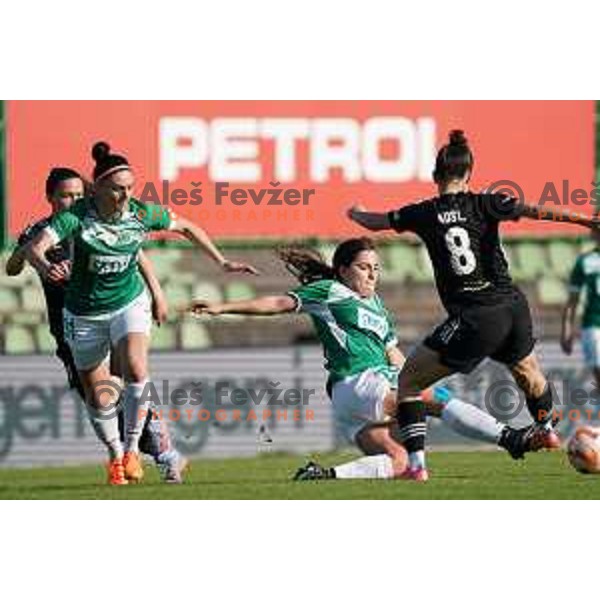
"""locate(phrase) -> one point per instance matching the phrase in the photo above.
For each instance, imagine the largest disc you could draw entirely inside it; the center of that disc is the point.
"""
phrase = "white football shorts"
(358, 401)
(590, 342)
(92, 337)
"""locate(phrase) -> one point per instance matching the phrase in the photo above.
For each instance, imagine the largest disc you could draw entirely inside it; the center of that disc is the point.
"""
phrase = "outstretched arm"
(160, 307)
(369, 220)
(541, 213)
(198, 236)
(16, 263)
(267, 305)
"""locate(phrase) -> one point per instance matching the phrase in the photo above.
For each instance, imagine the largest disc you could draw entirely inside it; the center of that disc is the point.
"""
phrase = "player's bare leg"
(155, 439)
(539, 393)
(102, 397)
(386, 458)
(132, 356)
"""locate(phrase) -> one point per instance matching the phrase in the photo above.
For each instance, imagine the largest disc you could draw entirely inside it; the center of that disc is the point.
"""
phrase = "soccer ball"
(583, 450)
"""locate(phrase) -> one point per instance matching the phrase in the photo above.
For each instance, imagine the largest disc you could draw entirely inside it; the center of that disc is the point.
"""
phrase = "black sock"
(411, 425)
(541, 408)
(121, 421)
(147, 443)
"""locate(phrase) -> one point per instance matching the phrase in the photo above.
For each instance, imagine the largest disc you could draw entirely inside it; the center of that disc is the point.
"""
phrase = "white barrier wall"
(41, 423)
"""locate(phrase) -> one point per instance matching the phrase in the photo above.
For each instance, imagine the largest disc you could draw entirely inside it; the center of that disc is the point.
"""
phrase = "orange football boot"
(134, 472)
(116, 472)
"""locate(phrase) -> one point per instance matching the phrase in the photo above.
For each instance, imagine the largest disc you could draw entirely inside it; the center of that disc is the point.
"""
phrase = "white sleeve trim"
(298, 301)
(53, 235)
(392, 343)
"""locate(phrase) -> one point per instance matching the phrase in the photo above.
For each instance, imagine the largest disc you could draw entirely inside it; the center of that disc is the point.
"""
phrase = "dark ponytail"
(455, 159)
(107, 163)
(309, 266)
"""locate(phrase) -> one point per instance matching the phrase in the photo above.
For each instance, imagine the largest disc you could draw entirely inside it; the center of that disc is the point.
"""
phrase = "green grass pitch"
(455, 475)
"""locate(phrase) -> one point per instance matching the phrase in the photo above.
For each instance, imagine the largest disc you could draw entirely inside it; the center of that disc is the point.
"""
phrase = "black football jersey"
(55, 294)
(461, 235)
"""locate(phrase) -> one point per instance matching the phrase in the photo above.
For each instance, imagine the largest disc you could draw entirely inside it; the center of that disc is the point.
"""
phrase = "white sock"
(106, 427)
(416, 460)
(369, 467)
(136, 410)
(472, 422)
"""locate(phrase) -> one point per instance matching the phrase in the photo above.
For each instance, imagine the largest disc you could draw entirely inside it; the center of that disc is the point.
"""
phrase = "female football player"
(488, 316)
(584, 277)
(106, 304)
(362, 358)
(64, 186)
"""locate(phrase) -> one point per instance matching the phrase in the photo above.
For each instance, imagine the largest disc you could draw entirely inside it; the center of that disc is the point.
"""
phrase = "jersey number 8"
(459, 245)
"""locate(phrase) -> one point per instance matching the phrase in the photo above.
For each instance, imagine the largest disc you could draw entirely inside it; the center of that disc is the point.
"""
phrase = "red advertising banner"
(292, 168)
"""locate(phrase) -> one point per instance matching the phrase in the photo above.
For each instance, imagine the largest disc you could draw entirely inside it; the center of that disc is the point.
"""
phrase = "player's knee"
(407, 390)
(137, 371)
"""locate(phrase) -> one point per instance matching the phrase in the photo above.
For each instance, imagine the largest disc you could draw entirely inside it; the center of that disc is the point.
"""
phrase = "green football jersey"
(355, 332)
(104, 274)
(586, 276)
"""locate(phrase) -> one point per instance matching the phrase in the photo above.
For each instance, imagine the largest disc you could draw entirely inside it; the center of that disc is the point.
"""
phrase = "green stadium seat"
(11, 282)
(562, 257)
(177, 295)
(400, 263)
(239, 290)
(529, 261)
(552, 291)
(27, 276)
(164, 262)
(184, 278)
(164, 337)
(18, 340)
(206, 290)
(44, 341)
(32, 298)
(194, 335)
(27, 318)
(9, 300)
(584, 244)
(426, 268)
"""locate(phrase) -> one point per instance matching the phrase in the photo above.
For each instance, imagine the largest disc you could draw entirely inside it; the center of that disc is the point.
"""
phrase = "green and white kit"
(585, 277)
(355, 334)
(106, 297)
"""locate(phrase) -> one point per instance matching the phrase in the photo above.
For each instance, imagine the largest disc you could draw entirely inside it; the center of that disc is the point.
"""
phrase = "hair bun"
(457, 138)
(100, 151)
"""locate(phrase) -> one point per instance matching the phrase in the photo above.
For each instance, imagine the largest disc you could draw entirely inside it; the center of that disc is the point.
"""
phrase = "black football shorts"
(502, 331)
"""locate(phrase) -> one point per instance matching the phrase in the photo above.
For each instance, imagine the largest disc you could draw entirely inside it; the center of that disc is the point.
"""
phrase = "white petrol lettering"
(231, 148)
